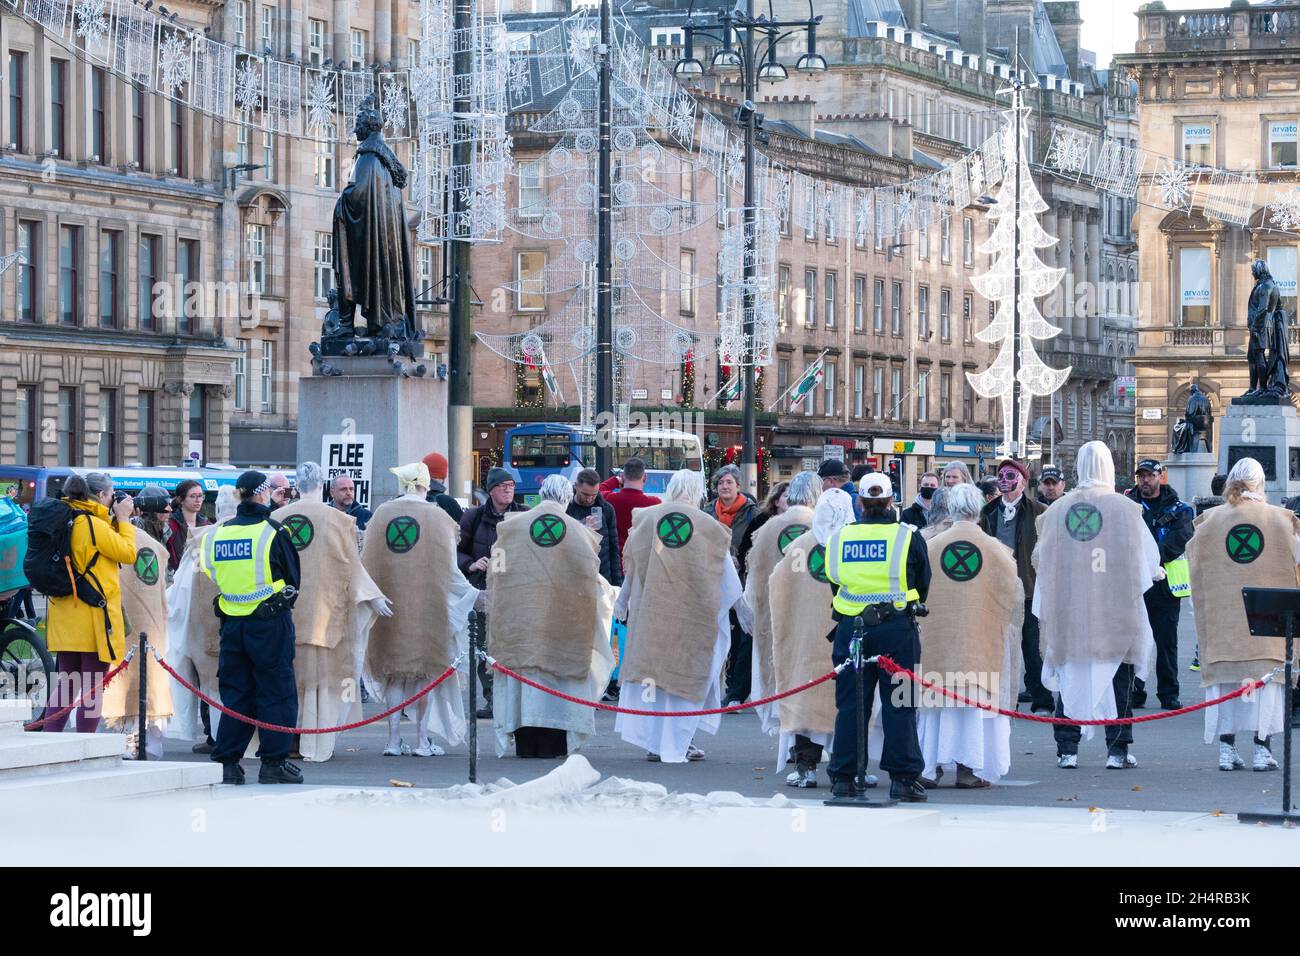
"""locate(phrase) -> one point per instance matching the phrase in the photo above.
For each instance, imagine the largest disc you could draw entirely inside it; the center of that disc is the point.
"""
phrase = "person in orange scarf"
(735, 509)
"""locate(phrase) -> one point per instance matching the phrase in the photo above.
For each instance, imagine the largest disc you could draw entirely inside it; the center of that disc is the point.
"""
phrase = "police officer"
(254, 565)
(1051, 484)
(1170, 522)
(880, 571)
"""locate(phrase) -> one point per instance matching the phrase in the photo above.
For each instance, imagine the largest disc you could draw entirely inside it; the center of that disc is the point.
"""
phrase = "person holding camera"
(254, 565)
(879, 570)
(85, 628)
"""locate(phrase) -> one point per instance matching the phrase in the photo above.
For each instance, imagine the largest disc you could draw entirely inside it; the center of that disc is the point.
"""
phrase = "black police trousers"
(901, 756)
(255, 675)
(1162, 612)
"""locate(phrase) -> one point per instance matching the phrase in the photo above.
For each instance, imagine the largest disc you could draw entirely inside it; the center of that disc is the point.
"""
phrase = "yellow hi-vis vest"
(238, 560)
(1178, 575)
(869, 563)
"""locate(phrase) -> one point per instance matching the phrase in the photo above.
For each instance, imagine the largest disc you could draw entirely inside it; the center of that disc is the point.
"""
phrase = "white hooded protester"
(1095, 558)
(679, 584)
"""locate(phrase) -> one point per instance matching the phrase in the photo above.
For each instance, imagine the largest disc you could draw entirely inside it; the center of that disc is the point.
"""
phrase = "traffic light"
(896, 477)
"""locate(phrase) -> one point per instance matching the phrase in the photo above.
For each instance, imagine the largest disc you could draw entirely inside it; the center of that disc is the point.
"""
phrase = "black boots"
(283, 772)
(908, 791)
(232, 773)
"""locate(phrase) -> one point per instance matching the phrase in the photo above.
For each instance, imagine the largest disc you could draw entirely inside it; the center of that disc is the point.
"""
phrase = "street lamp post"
(771, 71)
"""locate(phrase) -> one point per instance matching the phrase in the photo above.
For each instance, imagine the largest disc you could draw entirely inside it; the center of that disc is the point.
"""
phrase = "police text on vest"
(238, 550)
(864, 551)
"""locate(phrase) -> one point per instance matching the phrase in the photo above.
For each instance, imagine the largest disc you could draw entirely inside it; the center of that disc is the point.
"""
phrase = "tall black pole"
(604, 261)
(749, 450)
(1015, 448)
(460, 400)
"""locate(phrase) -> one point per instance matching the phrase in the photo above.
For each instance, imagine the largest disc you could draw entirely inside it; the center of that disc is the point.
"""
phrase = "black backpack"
(48, 564)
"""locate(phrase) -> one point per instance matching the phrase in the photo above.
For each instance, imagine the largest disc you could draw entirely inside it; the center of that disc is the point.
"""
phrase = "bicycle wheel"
(26, 667)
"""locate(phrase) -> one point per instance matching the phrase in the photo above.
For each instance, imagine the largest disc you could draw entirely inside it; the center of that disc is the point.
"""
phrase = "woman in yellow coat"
(77, 632)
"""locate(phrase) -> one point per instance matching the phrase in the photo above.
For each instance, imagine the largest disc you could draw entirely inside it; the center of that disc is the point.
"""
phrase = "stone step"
(46, 753)
(13, 714)
(122, 778)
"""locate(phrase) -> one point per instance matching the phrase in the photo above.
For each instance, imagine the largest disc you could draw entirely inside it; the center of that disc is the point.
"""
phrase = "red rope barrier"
(263, 725)
(614, 708)
(63, 712)
(894, 668)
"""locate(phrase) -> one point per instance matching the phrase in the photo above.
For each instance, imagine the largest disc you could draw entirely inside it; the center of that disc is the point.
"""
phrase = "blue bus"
(533, 452)
(33, 483)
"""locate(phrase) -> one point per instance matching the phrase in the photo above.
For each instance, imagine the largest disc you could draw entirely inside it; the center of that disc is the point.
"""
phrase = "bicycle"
(26, 665)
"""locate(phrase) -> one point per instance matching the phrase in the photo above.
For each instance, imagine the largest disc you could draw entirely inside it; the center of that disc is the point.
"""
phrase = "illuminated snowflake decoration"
(320, 104)
(248, 86)
(396, 107)
(1069, 151)
(174, 64)
(519, 81)
(1284, 211)
(1173, 185)
(91, 17)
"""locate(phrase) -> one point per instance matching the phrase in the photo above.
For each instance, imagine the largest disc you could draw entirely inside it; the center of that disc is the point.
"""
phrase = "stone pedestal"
(376, 420)
(1271, 435)
(1191, 472)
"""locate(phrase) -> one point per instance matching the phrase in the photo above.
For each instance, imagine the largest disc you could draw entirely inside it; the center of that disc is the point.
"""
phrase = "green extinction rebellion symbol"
(817, 563)
(1245, 542)
(300, 531)
(547, 531)
(146, 567)
(789, 535)
(675, 529)
(401, 534)
(1083, 521)
(961, 561)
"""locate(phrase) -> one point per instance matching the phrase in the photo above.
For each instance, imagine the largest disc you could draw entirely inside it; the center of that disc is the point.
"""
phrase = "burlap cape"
(326, 541)
(800, 620)
(673, 626)
(409, 551)
(144, 604)
(1222, 634)
(765, 553)
(1091, 580)
(975, 598)
(544, 592)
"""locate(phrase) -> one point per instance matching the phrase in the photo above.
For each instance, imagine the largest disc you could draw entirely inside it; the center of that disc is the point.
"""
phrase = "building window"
(138, 126)
(26, 401)
(268, 155)
(316, 42)
(323, 257)
(424, 274)
(829, 284)
(878, 306)
(945, 396)
(70, 309)
(895, 392)
(267, 25)
(810, 399)
(859, 303)
(255, 255)
(783, 295)
(180, 155)
(786, 214)
(1196, 284)
(58, 107)
(241, 375)
(1282, 264)
(828, 380)
(922, 312)
(945, 239)
(945, 315)
(810, 298)
(241, 24)
(896, 309)
(108, 431)
(358, 48)
(29, 271)
(967, 319)
(686, 288)
(782, 375)
(877, 391)
(149, 272)
(532, 192)
(187, 275)
(718, 304)
(17, 100)
(145, 431)
(66, 428)
(99, 116)
(241, 143)
(968, 242)
(1282, 143)
(860, 225)
(324, 161)
(1198, 144)
(967, 400)
(923, 243)
(268, 376)
(530, 279)
(198, 420)
(687, 196)
(923, 396)
(859, 393)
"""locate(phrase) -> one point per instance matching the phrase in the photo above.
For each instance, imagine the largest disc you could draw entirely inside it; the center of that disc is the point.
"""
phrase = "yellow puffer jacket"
(73, 624)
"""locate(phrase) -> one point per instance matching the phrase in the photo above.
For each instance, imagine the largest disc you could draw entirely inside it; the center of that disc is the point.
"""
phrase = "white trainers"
(1229, 759)
(429, 749)
(803, 779)
(1116, 762)
(1263, 759)
(694, 753)
(1068, 761)
(401, 750)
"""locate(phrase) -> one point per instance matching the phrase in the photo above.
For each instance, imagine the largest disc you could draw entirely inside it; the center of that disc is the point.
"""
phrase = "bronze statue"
(372, 254)
(1195, 425)
(1267, 354)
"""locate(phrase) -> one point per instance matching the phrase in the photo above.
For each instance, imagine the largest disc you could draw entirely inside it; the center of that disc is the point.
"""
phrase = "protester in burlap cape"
(408, 553)
(331, 618)
(977, 606)
(800, 620)
(764, 555)
(144, 606)
(544, 592)
(672, 625)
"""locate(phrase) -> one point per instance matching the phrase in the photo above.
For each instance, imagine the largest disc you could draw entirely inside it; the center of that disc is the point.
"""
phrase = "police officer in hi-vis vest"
(253, 563)
(880, 571)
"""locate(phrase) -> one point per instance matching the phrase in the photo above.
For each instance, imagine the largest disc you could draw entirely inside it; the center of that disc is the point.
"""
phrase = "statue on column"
(373, 304)
(1267, 354)
(1196, 424)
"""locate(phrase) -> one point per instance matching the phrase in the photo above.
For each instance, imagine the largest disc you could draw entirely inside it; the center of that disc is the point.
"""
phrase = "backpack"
(48, 563)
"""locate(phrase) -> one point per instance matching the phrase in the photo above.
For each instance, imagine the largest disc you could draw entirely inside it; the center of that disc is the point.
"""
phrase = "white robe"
(670, 736)
(183, 657)
(1261, 715)
(978, 739)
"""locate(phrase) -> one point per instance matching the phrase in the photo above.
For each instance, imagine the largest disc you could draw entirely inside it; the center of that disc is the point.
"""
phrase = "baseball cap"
(1149, 464)
(833, 468)
(875, 487)
(1050, 473)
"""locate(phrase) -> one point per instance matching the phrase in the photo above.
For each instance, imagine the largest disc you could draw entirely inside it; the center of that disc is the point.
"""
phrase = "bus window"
(21, 490)
(664, 456)
(540, 451)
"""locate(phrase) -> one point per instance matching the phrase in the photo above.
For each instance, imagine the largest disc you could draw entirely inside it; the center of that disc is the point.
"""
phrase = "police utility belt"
(874, 614)
(278, 603)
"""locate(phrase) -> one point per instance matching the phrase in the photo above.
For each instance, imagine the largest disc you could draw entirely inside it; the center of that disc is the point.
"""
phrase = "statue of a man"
(1264, 302)
(1199, 418)
(372, 251)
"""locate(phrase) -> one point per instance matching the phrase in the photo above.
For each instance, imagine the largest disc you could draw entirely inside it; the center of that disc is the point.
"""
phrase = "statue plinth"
(1191, 472)
(1271, 435)
(1262, 399)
